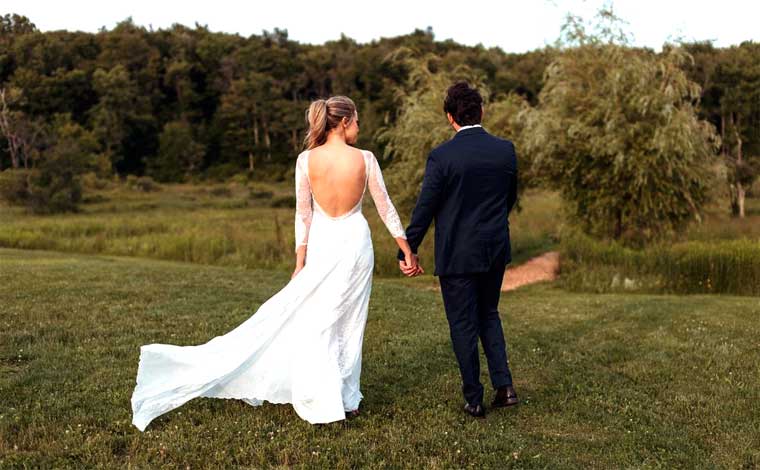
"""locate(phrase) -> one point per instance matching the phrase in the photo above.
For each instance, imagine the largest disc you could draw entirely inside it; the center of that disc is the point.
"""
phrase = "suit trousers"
(471, 302)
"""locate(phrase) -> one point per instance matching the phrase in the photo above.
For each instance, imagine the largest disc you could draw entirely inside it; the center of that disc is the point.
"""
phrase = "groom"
(469, 188)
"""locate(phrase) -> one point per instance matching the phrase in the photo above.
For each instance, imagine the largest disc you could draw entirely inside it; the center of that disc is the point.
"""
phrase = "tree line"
(629, 136)
(178, 102)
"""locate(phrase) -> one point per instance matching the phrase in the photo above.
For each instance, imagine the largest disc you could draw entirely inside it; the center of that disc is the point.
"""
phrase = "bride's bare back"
(332, 179)
(337, 175)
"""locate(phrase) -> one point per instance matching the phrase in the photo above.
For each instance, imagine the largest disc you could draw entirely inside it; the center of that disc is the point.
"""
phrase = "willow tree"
(421, 123)
(506, 116)
(617, 132)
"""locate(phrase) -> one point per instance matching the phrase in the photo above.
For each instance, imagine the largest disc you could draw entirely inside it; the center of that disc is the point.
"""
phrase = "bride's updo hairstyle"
(324, 115)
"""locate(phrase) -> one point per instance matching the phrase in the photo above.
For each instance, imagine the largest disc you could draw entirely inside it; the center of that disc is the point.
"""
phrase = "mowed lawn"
(605, 380)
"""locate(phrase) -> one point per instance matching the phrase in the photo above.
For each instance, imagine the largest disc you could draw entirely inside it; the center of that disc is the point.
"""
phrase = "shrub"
(222, 172)
(146, 184)
(14, 186)
(92, 181)
(254, 193)
(284, 201)
(239, 178)
(95, 198)
(272, 173)
(55, 184)
(220, 191)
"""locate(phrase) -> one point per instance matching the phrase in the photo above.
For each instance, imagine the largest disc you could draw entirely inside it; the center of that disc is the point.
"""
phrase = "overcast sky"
(515, 26)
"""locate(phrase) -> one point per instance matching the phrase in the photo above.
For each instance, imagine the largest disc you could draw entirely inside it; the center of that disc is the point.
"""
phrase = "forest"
(642, 149)
(230, 103)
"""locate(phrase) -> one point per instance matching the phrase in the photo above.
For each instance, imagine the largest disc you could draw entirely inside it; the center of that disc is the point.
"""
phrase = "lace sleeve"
(383, 203)
(303, 200)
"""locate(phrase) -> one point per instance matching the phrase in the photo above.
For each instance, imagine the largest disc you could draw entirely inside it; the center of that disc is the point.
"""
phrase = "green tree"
(617, 132)
(11, 26)
(505, 117)
(54, 184)
(242, 114)
(738, 81)
(421, 124)
(179, 155)
(117, 98)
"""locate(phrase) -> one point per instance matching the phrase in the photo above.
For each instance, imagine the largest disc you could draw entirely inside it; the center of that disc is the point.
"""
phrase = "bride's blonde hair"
(324, 115)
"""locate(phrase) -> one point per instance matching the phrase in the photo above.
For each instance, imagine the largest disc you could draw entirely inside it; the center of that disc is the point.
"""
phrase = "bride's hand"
(410, 266)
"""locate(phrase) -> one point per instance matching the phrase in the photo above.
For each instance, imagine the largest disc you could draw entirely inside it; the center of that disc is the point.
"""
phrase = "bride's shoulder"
(366, 153)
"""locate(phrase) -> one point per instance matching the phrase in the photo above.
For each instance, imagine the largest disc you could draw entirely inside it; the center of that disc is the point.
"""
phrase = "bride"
(302, 346)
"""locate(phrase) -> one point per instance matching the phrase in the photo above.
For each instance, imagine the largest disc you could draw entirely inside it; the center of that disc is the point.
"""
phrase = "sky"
(514, 26)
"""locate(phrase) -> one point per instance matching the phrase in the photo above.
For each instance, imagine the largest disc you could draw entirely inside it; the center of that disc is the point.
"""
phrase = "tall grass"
(231, 225)
(720, 225)
(690, 267)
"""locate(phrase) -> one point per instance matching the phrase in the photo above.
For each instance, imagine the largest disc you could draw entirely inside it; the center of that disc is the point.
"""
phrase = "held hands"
(411, 265)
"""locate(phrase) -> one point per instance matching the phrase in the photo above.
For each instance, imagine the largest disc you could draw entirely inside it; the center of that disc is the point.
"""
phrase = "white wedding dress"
(304, 344)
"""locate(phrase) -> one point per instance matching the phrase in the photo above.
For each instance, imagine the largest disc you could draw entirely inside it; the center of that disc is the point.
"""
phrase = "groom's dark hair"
(464, 104)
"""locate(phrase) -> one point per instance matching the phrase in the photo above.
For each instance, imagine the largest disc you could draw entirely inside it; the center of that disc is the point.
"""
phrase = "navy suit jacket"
(469, 188)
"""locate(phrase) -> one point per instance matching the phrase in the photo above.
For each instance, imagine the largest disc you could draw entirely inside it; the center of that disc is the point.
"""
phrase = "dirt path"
(540, 268)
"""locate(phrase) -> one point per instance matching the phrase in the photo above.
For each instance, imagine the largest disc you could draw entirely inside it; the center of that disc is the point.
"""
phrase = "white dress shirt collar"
(468, 127)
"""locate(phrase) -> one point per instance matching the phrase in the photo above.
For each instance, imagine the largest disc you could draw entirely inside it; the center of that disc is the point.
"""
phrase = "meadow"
(606, 380)
(250, 225)
(232, 224)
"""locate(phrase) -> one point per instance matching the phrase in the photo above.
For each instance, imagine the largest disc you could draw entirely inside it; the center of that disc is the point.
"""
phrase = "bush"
(14, 186)
(220, 191)
(272, 173)
(222, 172)
(55, 193)
(92, 181)
(254, 193)
(146, 184)
(55, 184)
(95, 198)
(284, 201)
(240, 178)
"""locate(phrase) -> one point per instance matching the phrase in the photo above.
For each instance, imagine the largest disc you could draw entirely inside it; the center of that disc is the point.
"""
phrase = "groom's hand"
(410, 266)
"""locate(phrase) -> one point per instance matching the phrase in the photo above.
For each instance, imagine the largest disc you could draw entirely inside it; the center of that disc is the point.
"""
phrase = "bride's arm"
(303, 212)
(385, 207)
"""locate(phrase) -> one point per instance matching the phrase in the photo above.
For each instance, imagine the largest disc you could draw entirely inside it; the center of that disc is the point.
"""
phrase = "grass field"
(606, 381)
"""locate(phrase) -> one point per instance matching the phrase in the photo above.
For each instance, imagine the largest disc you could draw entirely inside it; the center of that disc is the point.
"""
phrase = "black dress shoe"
(476, 411)
(505, 396)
